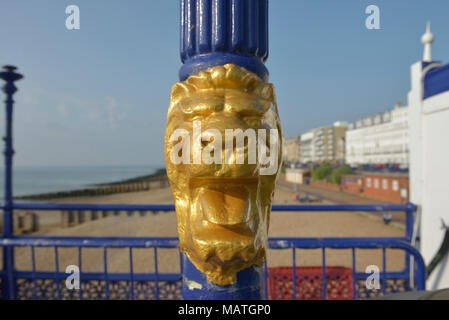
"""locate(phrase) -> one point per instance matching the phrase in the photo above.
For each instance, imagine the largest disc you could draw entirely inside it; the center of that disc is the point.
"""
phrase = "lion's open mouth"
(229, 205)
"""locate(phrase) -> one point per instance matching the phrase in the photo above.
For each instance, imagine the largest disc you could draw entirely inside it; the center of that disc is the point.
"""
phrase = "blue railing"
(36, 284)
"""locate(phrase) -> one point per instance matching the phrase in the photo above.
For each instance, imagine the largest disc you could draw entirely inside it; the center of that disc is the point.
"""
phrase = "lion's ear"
(265, 91)
(180, 90)
(268, 93)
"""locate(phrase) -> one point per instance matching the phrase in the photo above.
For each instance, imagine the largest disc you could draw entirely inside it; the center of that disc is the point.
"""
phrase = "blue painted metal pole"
(250, 285)
(215, 33)
(8, 254)
(409, 220)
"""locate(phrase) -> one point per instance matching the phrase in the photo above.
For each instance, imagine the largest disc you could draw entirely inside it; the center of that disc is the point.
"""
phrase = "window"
(368, 182)
(385, 184)
(376, 183)
(395, 185)
(404, 193)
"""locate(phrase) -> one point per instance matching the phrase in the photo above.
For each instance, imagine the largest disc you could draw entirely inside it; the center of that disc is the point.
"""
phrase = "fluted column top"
(216, 32)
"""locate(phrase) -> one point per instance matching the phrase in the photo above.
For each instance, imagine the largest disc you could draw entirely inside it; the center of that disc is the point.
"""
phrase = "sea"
(30, 180)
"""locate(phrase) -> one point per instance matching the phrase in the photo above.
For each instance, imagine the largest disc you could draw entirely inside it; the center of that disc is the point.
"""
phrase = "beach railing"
(351, 284)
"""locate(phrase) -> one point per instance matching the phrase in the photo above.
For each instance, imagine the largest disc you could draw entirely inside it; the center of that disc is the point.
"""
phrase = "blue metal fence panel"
(36, 284)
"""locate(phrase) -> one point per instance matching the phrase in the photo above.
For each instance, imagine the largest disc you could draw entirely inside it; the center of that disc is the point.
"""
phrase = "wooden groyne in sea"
(157, 180)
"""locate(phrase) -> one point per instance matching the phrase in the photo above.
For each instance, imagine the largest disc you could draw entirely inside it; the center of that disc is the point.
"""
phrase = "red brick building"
(352, 183)
(386, 186)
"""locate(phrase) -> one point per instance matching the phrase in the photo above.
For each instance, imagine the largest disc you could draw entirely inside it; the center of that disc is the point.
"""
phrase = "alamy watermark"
(72, 282)
(373, 280)
(207, 147)
(373, 20)
(73, 22)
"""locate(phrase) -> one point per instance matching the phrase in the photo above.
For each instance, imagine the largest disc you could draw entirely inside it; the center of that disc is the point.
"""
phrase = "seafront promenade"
(338, 197)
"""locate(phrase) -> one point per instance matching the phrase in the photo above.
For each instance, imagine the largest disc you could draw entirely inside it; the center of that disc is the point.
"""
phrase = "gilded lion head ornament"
(223, 154)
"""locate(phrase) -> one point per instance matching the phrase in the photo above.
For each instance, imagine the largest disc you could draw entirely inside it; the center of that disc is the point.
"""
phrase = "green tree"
(320, 173)
(335, 176)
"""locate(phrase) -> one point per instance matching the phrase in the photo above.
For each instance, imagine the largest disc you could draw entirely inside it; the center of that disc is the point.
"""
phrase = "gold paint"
(223, 210)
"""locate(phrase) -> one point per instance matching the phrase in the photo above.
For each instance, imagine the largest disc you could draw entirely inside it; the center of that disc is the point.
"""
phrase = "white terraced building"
(381, 138)
(323, 144)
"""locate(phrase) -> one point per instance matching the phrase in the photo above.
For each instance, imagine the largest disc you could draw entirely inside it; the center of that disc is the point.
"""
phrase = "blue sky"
(99, 95)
